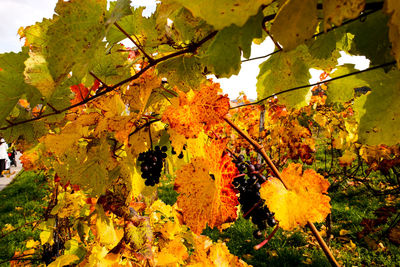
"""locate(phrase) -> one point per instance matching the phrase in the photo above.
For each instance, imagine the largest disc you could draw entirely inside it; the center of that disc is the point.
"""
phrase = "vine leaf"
(64, 260)
(209, 254)
(206, 195)
(195, 111)
(295, 22)
(335, 11)
(183, 72)
(392, 8)
(282, 71)
(221, 14)
(306, 191)
(223, 55)
(120, 9)
(377, 112)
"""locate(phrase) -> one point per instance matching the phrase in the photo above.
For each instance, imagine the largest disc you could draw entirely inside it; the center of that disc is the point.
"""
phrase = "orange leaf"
(304, 200)
(203, 110)
(81, 93)
(206, 195)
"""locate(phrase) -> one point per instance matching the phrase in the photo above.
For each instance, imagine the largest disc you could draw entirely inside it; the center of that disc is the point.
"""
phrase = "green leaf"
(74, 36)
(328, 45)
(371, 38)
(136, 24)
(119, 9)
(12, 82)
(283, 71)
(378, 112)
(392, 8)
(223, 13)
(295, 22)
(183, 72)
(342, 90)
(88, 169)
(223, 55)
(110, 67)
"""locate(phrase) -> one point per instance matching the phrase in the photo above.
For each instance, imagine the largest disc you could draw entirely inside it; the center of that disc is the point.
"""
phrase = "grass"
(22, 202)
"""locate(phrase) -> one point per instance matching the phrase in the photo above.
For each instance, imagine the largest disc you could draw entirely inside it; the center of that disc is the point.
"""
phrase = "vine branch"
(190, 49)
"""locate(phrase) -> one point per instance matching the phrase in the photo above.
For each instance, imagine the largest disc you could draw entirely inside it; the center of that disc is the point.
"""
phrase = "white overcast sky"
(17, 13)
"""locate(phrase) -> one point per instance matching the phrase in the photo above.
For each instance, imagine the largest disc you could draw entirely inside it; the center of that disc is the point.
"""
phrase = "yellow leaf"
(347, 158)
(392, 8)
(335, 11)
(304, 200)
(295, 22)
(173, 253)
(32, 243)
(343, 232)
(63, 260)
(208, 254)
(46, 237)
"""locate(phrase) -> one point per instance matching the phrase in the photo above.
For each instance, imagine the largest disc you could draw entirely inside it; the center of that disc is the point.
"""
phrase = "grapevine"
(111, 125)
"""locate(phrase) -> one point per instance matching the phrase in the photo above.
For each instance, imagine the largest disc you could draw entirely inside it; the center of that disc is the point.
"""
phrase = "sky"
(17, 13)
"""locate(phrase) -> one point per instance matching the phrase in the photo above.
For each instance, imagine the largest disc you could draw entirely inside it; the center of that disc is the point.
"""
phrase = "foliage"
(82, 108)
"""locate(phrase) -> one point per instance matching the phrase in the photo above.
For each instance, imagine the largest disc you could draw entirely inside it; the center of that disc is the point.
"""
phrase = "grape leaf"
(371, 38)
(64, 260)
(377, 112)
(295, 22)
(223, 55)
(208, 254)
(342, 90)
(144, 28)
(223, 13)
(37, 74)
(206, 195)
(282, 71)
(12, 83)
(119, 9)
(335, 11)
(304, 200)
(185, 72)
(192, 112)
(88, 169)
(392, 8)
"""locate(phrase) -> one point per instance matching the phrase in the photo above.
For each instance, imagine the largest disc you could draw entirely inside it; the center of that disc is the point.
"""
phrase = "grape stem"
(270, 236)
(277, 174)
(252, 208)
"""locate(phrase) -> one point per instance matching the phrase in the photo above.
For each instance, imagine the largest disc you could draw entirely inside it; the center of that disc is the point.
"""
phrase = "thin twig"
(149, 58)
(314, 84)
(53, 108)
(270, 236)
(97, 78)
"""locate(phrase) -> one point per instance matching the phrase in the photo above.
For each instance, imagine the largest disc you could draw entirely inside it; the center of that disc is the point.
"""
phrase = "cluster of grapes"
(249, 189)
(152, 164)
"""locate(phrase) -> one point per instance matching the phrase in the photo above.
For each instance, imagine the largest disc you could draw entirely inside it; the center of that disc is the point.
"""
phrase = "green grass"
(21, 202)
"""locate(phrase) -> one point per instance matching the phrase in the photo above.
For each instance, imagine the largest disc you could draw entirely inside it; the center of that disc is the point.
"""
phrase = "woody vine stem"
(277, 174)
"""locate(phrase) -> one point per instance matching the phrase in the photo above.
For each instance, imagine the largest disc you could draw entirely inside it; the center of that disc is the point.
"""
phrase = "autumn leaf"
(195, 111)
(206, 195)
(208, 253)
(304, 200)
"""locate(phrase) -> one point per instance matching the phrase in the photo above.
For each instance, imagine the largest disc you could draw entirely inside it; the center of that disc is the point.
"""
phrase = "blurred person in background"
(3, 156)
